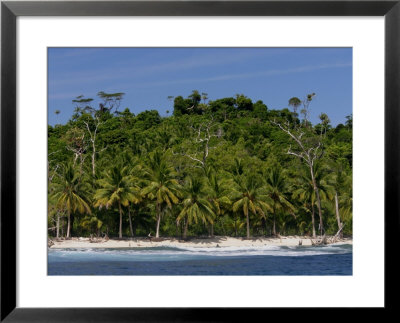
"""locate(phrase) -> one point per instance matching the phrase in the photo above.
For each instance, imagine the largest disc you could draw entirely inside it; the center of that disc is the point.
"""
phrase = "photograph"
(212, 161)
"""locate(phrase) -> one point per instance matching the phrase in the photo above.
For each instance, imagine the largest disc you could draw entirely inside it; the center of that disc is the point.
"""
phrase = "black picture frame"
(10, 10)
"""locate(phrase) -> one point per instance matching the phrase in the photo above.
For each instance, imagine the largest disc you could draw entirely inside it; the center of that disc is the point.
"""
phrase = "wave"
(191, 253)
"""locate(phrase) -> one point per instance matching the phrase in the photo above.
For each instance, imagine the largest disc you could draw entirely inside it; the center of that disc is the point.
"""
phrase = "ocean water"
(268, 260)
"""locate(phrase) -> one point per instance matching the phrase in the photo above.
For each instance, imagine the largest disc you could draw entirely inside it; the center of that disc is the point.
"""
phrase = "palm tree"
(236, 224)
(195, 206)
(346, 205)
(162, 186)
(116, 188)
(92, 223)
(305, 191)
(250, 196)
(138, 179)
(218, 195)
(295, 103)
(70, 194)
(165, 137)
(238, 167)
(276, 190)
(339, 180)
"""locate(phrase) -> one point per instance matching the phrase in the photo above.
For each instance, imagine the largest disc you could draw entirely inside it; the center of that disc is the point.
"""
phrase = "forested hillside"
(229, 166)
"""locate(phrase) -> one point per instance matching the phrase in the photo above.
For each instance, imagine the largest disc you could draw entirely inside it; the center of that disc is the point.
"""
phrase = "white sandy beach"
(218, 241)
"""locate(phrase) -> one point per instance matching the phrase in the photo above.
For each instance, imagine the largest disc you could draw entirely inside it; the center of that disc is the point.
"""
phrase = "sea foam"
(190, 253)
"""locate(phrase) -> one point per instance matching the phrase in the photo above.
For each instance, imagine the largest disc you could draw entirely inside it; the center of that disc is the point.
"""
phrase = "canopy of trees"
(224, 167)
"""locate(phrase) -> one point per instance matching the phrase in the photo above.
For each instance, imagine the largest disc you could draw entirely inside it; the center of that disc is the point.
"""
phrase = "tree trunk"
(338, 215)
(81, 165)
(274, 226)
(236, 231)
(186, 228)
(177, 229)
(58, 225)
(321, 225)
(266, 227)
(130, 220)
(93, 161)
(75, 159)
(71, 232)
(262, 226)
(134, 226)
(223, 226)
(93, 141)
(120, 220)
(248, 225)
(69, 224)
(158, 220)
(181, 225)
(313, 219)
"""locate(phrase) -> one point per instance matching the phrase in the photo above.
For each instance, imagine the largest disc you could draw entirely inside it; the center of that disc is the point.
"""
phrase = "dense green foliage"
(223, 167)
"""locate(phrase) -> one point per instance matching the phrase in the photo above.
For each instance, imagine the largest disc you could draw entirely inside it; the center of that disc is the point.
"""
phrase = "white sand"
(221, 241)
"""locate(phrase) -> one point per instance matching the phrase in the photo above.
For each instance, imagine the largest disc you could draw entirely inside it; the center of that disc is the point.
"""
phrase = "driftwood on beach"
(98, 240)
(49, 243)
(337, 235)
(319, 241)
(324, 240)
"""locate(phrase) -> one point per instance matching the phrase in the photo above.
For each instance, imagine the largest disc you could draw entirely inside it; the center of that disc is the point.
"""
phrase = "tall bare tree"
(308, 147)
(94, 117)
(201, 142)
(93, 134)
(77, 144)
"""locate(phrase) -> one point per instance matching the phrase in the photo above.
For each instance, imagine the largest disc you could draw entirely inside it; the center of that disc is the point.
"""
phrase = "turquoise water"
(268, 260)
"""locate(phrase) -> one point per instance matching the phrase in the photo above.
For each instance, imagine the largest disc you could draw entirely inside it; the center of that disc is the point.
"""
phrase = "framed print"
(213, 205)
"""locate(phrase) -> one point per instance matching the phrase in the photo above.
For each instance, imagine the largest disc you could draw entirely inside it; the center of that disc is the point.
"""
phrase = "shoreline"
(214, 242)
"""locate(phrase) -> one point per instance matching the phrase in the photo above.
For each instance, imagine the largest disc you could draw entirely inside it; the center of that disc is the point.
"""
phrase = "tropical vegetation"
(229, 166)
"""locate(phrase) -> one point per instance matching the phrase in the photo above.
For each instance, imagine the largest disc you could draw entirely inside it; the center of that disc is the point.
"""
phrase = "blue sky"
(148, 76)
